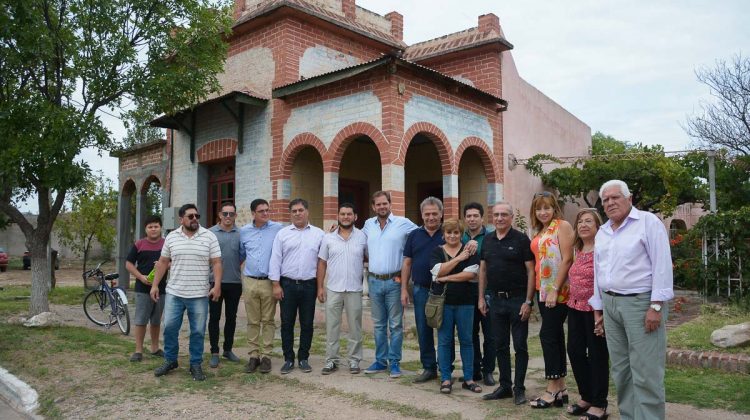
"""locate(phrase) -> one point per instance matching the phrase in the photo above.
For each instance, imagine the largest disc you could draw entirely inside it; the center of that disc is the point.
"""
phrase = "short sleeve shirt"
(191, 258)
(345, 260)
(419, 246)
(144, 255)
(505, 260)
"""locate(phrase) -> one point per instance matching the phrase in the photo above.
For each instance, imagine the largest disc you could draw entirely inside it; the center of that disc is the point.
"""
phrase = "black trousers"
(230, 297)
(506, 323)
(552, 337)
(588, 358)
(299, 299)
(483, 365)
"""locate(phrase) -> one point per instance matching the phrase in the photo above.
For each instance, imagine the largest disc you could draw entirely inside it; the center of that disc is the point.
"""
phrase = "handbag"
(433, 309)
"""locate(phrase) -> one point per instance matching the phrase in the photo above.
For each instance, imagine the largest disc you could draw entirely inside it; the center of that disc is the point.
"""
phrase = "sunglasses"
(192, 216)
(543, 194)
(228, 213)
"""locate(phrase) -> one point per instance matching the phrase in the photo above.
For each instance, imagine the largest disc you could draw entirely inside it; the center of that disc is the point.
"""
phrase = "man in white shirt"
(632, 284)
(341, 258)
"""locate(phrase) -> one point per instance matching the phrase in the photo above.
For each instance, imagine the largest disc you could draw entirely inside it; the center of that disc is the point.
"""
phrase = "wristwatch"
(530, 303)
(656, 307)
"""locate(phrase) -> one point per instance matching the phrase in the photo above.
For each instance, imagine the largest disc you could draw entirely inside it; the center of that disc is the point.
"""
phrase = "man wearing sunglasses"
(232, 255)
(191, 249)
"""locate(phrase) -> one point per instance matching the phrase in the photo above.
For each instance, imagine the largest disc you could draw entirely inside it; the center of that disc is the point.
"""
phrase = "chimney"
(489, 22)
(397, 24)
(239, 8)
(349, 9)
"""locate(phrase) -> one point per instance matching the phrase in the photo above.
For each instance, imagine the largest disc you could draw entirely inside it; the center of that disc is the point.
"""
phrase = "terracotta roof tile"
(453, 42)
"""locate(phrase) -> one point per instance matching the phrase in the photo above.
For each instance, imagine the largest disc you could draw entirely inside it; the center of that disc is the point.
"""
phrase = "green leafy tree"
(732, 174)
(658, 183)
(63, 63)
(92, 217)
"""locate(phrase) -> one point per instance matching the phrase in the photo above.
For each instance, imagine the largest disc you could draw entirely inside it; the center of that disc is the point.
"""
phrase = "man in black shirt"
(506, 274)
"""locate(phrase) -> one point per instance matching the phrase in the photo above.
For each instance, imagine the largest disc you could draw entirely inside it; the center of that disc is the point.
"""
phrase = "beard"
(192, 226)
(346, 226)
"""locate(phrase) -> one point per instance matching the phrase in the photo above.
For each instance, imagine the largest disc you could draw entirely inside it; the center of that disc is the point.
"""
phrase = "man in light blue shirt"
(386, 236)
(256, 238)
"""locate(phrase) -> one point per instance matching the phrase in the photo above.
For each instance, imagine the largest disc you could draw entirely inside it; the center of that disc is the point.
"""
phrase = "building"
(323, 100)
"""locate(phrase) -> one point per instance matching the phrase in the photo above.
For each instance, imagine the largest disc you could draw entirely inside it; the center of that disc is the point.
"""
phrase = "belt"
(385, 276)
(258, 278)
(507, 294)
(295, 281)
(615, 294)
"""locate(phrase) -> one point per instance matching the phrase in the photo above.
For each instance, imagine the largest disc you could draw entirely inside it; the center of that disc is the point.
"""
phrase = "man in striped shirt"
(190, 249)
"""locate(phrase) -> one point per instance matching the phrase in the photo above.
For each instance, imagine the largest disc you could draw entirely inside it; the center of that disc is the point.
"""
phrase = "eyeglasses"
(228, 213)
(543, 194)
(192, 216)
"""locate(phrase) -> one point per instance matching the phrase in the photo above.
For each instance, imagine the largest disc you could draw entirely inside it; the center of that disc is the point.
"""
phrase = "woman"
(455, 268)
(587, 347)
(552, 247)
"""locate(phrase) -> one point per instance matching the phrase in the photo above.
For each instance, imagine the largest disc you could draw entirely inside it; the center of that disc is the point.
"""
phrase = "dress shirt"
(232, 254)
(633, 259)
(345, 259)
(386, 246)
(258, 243)
(295, 253)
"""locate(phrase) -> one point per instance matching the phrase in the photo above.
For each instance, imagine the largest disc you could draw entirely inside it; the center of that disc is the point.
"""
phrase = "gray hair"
(504, 203)
(431, 201)
(615, 183)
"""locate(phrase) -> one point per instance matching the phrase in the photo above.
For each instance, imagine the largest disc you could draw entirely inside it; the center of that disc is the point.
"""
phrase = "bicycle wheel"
(122, 314)
(97, 307)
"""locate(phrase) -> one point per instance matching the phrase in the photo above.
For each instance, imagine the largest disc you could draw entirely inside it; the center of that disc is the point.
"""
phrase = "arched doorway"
(126, 225)
(423, 176)
(150, 198)
(360, 176)
(472, 180)
(307, 182)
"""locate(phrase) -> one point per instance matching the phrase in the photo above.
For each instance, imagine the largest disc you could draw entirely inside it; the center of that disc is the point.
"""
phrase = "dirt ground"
(297, 395)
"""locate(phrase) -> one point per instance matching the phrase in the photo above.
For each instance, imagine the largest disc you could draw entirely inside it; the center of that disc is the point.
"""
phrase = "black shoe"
(231, 356)
(265, 365)
(165, 368)
(304, 366)
(497, 394)
(489, 380)
(519, 398)
(158, 353)
(252, 365)
(136, 357)
(197, 372)
(288, 367)
(426, 375)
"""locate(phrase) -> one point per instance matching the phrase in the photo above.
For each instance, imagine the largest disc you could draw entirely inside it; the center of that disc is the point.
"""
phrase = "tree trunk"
(40, 276)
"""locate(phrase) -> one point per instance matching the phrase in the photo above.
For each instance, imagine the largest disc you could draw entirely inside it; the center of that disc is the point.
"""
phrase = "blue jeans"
(425, 333)
(387, 314)
(461, 318)
(197, 311)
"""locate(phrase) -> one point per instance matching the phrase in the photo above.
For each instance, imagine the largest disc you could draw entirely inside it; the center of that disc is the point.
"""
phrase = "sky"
(625, 68)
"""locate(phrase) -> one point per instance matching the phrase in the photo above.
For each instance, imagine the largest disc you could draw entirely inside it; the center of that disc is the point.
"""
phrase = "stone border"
(709, 359)
(18, 393)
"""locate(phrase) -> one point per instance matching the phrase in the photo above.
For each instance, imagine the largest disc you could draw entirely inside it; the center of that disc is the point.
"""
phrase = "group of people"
(616, 274)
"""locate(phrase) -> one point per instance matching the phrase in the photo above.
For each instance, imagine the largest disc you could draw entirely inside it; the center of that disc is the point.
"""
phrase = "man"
(386, 236)
(632, 283)
(293, 270)
(341, 258)
(191, 249)
(232, 255)
(506, 274)
(257, 240)
(139, 263)
(417, 253)
(475, 232)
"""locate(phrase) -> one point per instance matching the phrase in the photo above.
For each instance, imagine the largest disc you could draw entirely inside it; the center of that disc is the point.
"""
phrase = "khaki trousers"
(260, 306)
(336, 303)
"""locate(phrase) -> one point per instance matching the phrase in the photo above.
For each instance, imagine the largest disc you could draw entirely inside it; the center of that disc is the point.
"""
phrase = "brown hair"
(377, 194)
(578, 242)
(452, 225)
(539, 200)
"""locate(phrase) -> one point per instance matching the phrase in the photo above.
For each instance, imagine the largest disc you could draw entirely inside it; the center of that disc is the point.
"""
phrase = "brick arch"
(438, 138)
(298, 143)
(332, 160)
(491, 169)
(215, 150)
(148, 180)
(125, 186)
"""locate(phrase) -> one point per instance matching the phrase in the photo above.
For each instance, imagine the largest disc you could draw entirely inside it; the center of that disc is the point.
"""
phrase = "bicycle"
(107, 304)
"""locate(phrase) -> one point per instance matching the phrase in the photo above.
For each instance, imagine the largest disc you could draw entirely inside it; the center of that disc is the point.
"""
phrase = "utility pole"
(711, 180)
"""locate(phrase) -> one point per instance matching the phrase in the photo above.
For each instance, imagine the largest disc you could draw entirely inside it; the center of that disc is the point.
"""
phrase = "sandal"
(446, 388)
(542, 403)
(589, 416)
(473, 387)
(577, 410)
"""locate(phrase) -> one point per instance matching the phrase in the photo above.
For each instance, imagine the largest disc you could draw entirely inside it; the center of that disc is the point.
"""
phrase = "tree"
(657, 183)
(62, 63)
(92, 217)
(732, 178)
(726, 122)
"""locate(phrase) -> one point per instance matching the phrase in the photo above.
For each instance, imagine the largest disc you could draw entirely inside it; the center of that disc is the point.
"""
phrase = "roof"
(136, 148)
(458, 41)
(347, 72)
(246, 96)
(324, 14)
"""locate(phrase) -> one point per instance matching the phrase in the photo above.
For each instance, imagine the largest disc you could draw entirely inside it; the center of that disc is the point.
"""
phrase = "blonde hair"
(539, 200)
(452, 225)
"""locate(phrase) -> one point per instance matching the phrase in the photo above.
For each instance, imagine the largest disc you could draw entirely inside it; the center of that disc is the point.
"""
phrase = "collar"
(389, 219)
(307, 226)
(428, 233)
(481, 233)
(217, 228)
(197, 233)
(634, 214)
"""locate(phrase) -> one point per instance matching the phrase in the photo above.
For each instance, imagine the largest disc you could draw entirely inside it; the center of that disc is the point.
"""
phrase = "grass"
(15, 299)
(696, 334)
(707, 388)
